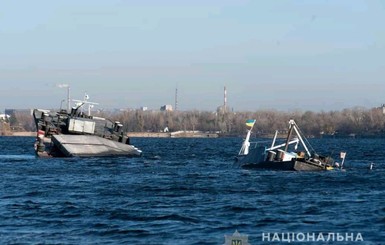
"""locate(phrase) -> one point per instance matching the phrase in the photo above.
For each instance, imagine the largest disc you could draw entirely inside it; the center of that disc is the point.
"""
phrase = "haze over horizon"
(284, 55)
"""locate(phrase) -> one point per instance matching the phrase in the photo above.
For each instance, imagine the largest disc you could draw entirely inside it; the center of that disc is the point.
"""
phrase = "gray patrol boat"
(77, 134)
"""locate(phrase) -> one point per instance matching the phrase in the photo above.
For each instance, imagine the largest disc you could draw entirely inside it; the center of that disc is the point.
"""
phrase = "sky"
(318, 55)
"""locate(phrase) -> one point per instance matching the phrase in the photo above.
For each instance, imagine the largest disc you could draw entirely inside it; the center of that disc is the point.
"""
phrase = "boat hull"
(256, 159)
(293, 165)
(87, 146)
(74, 134)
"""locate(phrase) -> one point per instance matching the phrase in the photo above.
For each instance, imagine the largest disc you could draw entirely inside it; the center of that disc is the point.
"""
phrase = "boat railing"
(255, 144)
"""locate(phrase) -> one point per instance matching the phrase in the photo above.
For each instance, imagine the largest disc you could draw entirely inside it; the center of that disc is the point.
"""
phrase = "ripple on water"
(184, 191)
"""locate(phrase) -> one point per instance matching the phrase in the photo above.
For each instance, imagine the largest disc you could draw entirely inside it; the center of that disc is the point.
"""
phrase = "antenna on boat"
(85, 101)
(89, 109)
(63, 85)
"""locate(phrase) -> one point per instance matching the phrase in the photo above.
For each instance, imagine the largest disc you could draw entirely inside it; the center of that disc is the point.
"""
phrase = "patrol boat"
(285, 156)
(78, 134)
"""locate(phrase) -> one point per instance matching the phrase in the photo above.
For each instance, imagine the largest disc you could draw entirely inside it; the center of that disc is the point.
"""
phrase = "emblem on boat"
(236, 239)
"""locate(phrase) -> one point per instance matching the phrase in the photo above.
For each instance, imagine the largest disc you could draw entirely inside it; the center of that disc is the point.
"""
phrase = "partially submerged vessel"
(285, 156)
(75, 133)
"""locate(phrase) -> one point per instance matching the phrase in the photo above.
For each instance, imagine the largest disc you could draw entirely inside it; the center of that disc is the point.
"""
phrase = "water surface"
(185, 191)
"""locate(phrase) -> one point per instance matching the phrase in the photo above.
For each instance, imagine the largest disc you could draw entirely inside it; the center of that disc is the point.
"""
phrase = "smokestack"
(225, 98)
(176, 99)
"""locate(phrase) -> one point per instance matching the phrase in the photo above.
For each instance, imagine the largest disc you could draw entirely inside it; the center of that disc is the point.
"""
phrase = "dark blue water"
(185, 191)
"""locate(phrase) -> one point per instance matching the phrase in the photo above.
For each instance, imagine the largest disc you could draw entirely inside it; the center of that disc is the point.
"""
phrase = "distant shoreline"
(22, 134)
(197, 134)
(179, 134)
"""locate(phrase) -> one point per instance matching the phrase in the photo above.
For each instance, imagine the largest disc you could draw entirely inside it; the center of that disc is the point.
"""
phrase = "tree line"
(354, 121)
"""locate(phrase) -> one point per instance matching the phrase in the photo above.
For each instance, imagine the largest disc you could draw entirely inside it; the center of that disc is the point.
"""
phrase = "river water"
(187, 191)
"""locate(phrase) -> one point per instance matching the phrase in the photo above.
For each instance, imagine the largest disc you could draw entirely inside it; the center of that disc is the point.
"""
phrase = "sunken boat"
(75, 133)
(291, 155)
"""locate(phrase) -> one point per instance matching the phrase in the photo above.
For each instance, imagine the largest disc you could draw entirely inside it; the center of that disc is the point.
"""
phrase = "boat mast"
(300, 137)
(274, 139)
(246, 144)
(63, 85)
(68, 99)
(291, 122)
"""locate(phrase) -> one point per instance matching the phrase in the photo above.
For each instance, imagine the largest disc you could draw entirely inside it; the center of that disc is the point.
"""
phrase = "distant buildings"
(16, 120)
(223, 109)
(10, 112)
(166, 108)
(4, 117)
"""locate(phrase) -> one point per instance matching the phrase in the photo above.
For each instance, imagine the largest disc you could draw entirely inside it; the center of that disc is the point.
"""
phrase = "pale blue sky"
(286, 55)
